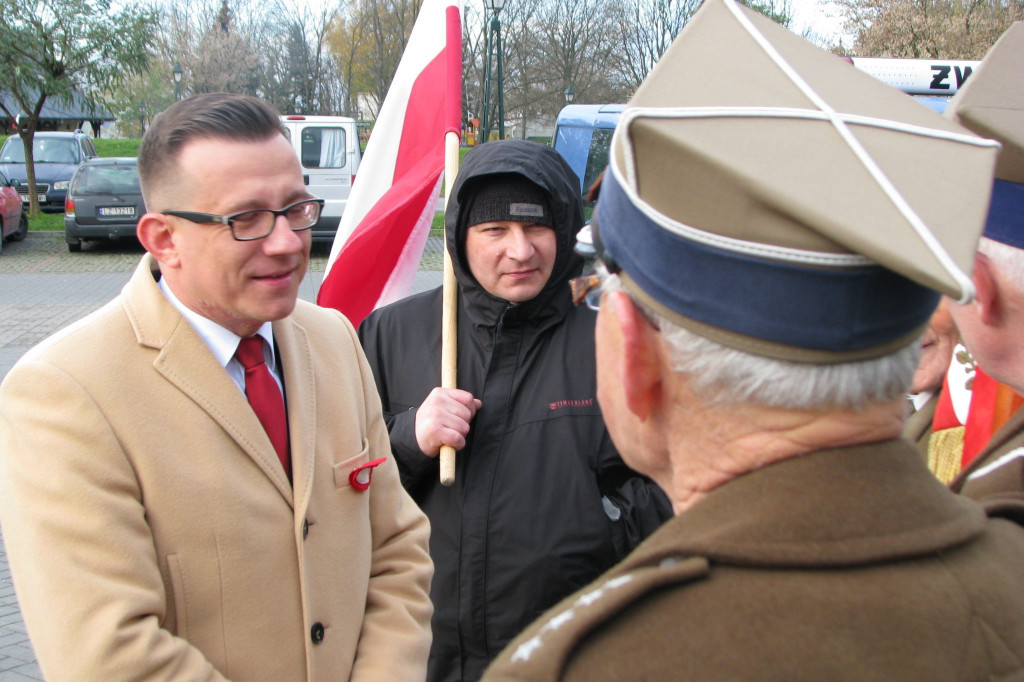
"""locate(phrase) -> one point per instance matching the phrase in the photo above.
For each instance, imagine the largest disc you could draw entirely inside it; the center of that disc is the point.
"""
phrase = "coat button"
(316, 633)
(305, 529)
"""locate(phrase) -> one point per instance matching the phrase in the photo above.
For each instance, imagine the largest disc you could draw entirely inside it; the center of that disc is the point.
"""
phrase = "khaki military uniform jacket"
(152, 532)
(849, 564)
(996, 476)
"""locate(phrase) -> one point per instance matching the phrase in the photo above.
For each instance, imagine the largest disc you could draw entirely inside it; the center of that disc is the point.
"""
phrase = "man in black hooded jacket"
(542, 503)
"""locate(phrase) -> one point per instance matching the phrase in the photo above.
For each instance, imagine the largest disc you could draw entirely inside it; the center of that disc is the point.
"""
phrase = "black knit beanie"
(507, 196)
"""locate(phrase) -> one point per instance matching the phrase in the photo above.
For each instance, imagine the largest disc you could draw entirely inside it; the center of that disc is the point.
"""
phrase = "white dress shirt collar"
(224, 342)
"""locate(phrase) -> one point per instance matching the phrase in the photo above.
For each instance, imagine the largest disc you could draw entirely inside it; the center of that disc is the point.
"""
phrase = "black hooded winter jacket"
(542, 503)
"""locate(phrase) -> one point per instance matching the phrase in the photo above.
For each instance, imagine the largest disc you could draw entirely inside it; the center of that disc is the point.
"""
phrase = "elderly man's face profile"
(937, 346)
(511, 260)
(239, 285)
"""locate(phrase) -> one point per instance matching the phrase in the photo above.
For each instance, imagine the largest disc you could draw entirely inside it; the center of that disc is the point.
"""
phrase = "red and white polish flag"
(387, 220)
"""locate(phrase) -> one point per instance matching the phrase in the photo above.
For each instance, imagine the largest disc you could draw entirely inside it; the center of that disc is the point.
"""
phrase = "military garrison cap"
(991, 103)
(767, 195)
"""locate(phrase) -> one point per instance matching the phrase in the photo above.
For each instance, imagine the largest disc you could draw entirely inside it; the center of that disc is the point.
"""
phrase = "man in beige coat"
(153, 530)
(770, 249)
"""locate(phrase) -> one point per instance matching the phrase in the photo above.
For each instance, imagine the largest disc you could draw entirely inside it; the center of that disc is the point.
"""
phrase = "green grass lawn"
(46, 222)
(110, 147)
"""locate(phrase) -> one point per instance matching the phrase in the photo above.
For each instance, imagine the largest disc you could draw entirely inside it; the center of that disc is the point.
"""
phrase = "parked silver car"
(103, 202)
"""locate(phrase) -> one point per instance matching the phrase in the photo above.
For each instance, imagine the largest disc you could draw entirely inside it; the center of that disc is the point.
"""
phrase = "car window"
(107, 180)
(50, 150)
(597, 159)
(323, 147)
(13, 151)
(45, 150)
(573, 143)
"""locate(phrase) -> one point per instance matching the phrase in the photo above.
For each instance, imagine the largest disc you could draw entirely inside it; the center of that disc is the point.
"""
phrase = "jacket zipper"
(501, 323)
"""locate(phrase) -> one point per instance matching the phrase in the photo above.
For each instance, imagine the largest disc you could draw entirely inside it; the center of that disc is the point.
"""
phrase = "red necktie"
(265, 396)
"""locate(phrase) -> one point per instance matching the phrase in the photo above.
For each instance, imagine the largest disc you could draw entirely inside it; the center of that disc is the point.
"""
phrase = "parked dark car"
(13, 220)
(57, 156)
(104, 201)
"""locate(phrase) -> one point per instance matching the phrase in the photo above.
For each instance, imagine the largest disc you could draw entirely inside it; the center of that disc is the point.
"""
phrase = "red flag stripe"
(453, 93)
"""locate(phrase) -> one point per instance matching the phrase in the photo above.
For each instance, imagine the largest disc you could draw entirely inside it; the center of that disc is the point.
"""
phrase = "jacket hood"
(545, 167)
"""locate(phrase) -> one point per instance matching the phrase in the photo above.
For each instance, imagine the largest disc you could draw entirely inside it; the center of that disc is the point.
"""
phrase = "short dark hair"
(216, 115)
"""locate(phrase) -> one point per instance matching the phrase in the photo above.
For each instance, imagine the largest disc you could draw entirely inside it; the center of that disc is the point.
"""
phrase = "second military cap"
(991, 104)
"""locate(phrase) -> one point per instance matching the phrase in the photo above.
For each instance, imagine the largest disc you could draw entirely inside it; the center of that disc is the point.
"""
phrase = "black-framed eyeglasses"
(257, 223)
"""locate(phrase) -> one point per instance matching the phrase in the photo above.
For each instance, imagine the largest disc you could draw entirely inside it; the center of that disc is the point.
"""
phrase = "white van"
(328, 149)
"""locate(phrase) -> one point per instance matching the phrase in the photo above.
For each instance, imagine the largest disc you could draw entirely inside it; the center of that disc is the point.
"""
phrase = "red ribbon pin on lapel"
(359, 479)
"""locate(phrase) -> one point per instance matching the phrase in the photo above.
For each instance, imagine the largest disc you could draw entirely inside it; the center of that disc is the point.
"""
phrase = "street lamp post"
(493, 62)
(177, 72)
(570, 95)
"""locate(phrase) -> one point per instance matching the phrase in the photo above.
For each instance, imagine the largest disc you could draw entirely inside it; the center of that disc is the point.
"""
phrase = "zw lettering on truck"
(940, 76)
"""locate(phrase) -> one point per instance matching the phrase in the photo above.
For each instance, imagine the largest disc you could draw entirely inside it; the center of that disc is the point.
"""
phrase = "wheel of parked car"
(22, 230)
(75, 248)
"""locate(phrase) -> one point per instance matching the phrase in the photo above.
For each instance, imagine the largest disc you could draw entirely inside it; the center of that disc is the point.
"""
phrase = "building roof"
(77, 109)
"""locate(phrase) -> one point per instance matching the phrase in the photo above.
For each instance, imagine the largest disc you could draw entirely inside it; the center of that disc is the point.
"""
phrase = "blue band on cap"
(1006, 214)
(818, 308)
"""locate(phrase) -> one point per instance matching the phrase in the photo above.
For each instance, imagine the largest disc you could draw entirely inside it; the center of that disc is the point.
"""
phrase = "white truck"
(328, 149)
(936, 77)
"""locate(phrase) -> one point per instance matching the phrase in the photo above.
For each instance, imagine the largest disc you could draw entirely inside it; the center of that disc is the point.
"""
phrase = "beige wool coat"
(842, 565)
(152, 533)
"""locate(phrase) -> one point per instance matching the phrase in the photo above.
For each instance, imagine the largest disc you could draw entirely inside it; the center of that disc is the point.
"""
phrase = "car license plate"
(41, 197)
(117, 210)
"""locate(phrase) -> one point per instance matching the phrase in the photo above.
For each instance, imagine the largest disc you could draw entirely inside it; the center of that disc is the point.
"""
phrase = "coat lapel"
(300, 399)
(1002, 441)
(185, 361)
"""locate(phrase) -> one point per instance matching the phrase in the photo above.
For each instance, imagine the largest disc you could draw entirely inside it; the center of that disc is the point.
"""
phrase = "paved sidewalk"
(17, 661)
(43, 288)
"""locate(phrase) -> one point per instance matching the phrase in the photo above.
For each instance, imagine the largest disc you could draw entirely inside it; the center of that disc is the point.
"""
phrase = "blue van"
(583, 136)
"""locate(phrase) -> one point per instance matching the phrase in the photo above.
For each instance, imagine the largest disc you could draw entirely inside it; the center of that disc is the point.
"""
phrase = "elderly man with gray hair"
(770, 248)
(992, 105)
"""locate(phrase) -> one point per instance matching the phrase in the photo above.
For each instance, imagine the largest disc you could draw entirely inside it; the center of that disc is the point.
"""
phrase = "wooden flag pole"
(449, 310)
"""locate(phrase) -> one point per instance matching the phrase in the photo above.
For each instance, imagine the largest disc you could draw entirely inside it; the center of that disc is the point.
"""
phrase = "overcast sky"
(814, 14)
(819, 16)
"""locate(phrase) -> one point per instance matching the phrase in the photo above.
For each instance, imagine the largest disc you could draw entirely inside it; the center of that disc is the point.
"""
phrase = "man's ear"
(156, 235)
(640, 361)
(988, 296)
